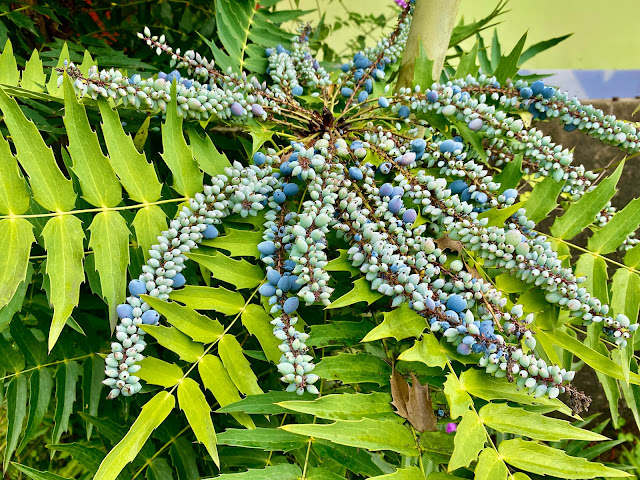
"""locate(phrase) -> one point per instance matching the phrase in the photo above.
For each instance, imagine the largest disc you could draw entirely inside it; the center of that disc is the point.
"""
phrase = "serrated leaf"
(148, 223)
(374, 435)
(9, 74)
(14, 197)
(207, 298)
(238, 366)
(595, 270)
(342, 263)
(233, 21)
(269, 439)
(256, 320)
(16, 303)
(50, 187)
(199, 327)
(609, 385)
(467, 65)
(239, 243)
(16, 398)
(490, 466)
(239, 273)
(518, 421)
(217, 380)
(508, 65)
(399, 323)
(543, 199)
(544, 460)
(354, 368)
(37, 474)
(27, 342)
(426, 350)
(423, 68)
(273, 472)
(583, 212)
(361, 292)
(16, 237)
(194, 405)
(338, 333)
(206, 154)
(63, 240)
(67, 375)
(357, 460)
(87, 456)
(608, 238)
(136, 175)
(110, 244)
(152, 415)
(33, 77)
(468, 442)
(264, 404)
(187, 177)
(409, 473)
(625, 293)
(345, 406)
(176, 341)
(511, 174)
(159, 469)
(11, 359)
(142, 134)
(158, 372)
(93, 374)
(100, 187)
(458, 399)
(52, 84)
(540, 47)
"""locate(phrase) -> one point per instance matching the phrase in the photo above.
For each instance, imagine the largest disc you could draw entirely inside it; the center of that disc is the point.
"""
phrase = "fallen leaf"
(413, 402)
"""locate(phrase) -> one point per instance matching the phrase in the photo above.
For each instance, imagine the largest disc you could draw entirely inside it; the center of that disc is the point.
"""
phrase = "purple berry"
(395, 204)
(236, 109)
(475, 124)
(409, 216)
(257, 110)
(386, 190)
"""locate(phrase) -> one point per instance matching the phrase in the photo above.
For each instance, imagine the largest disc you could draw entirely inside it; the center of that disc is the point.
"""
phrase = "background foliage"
(63, 273)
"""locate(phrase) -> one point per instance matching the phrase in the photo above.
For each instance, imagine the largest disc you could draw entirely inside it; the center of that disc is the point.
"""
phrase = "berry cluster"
(391, 185)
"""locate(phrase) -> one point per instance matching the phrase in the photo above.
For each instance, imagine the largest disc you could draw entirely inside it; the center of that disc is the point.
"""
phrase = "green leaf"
(207, 298)
(541, 47)
(544, 460)
(256, 320)
(159, 469)
(51, 188)
(93, 374)
(508, 65)
(319, 473)
(16, 398)
(354, 368)
(367, 433)
(458, 399)
(37, 474)
(66, 379)
(337, 333)
(259, 135)
(423, 68)
(63, 240)
(239, 243)
(269, 439)
(623, 223)
(426, 350)
(595, 270)
(625, 293)
(158, 372)
(207, 155)
(27, 343)
(9, 74)
(468, 442)
(142, 134)
(11, 359)
(199, 327)
(100, 187)
(88, 457)
(239, 273)
(583, 212)
(510, 175)
(195, 407)
(361, 292)
(467, 65)
(543, 199)
(16, 237)
(187, 177)
(273, 472)
(399, 323)
(52, 84)
(176, 341)
(110, 244)
(217, 380)
(609, 385)
(345, 406)
(183, 458)
(409, 473)
(136, 175)
(148, 223)
(342, 263)
(356, 460)
(490, 466)
(481, 385)
(40, 389)
(152, 415)
(14, 198)
(16, 303)
(263, 404)
(238, 366)
(518, 421)
(508, 283)
(632, 257)
(233, 21)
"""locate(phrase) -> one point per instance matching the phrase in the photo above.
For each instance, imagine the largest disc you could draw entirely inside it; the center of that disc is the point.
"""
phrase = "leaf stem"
(38, 367)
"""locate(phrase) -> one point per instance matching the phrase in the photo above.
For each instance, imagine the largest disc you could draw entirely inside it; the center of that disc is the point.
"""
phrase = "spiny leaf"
(354, 368)
(357, 460)
(233, 20)
(176, 341)
(338, 333)
(543, 199)
(544, 460)
(217, 380)
(468, 442)
(16, 397)
(158, 372)
(152, 415)
(256, 320)
(345, 406)
(16, 237)
(136, 175)
(110, 244)
(92, 376)
(508, 65)
(187, 178)
(66, 380)
(207, 298)
(490, 466)
(263, 404)
(399, 323)
(100, 187)
(367, 433)
(238, 366)
(33, 77)
(63, 236)
(37, 474)
(361, 292)
(467, 65)
(268, 439)
(14, 197)
(206, 154)
(273, 472)
(148, 223)
(9, 74)
(88, 456)
(50, 187)
(11, 359)
(427, 350)
(240, 273)
(195, 407)
(541, 47)
(239, 243)
(458, 399)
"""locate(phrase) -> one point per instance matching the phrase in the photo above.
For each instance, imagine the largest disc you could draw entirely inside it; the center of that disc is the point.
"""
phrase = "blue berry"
(267, 290)
(383, 102)
(395, 204)
(548, 92)
(385, 168)
(481, 197)
(210, 232)
(526, 92)
(267, 247)
(279, 196)
(297, 90)
(409, 216)
(386, 190)
(458, 186)
(465, 195)
(432, 96)
(345, 67)
(284, 283)
(510, 193)
(178, 280)
(290, 189)
(124, 311)
(137, 287)
(259, 158)
(368, 85)
(448, 146)
(570, 127)
(236, 109)
(456, 303)
(362, 96)
(285, 169)
(150, 317)
(403, 112)
(537, 87)
(346, 92)
(397, 192)
(362, 62)
(475, 124)
(290, 305)
(355, 173)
